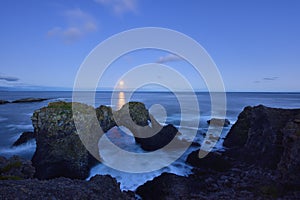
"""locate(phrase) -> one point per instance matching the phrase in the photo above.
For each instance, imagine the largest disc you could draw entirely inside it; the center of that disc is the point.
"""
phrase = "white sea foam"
(131, 181)
(27, 148)
(19, 126)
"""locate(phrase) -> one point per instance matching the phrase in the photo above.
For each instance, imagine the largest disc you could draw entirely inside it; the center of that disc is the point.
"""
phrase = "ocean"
(16, 118)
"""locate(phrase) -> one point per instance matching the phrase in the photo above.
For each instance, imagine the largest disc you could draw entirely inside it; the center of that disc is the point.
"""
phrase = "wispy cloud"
(119, 7)
(8, 78)
(168, 58)
(273, 78)
(78, 24)
(270, 78)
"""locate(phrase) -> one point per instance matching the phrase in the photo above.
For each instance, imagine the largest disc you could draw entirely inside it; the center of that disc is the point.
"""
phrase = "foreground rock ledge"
(99, 187)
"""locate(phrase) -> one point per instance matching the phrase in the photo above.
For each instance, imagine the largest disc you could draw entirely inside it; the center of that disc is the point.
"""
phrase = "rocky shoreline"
(261, 160)
(24, 100)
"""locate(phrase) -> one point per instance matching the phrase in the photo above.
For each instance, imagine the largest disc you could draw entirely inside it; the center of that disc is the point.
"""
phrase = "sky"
(254, 43)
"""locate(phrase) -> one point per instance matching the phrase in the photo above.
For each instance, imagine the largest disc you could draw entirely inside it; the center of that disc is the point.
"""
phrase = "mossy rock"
(10, 166)
(137, 111)
(16, 178)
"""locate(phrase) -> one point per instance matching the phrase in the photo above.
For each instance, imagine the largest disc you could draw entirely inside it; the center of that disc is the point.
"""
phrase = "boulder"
(160, 139)
(24, 138)
(29, 100)
(15, 168)
(212, 161)
(132, 112)
(105, 117)
(169, 186)
(269, 138)
(257, 135)
(218, 122)
(59, 150)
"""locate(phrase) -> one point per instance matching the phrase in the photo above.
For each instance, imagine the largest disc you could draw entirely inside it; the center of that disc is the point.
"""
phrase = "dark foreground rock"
(268, 137)
(261, 162)
(59, 150)
(213, 161)
(3, 102)
(218, 122)
(29, 100)
(15, 168)
(99, 187)
(24, 138)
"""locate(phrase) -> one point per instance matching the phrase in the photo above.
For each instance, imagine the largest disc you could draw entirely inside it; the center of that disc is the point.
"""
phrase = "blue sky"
(254, 43)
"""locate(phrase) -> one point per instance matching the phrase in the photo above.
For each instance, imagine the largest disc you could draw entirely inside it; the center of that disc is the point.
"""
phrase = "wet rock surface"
(99, 187)
(59, 150)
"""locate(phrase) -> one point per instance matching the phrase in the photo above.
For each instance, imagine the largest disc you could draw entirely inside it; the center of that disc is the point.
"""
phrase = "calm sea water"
(16, 118)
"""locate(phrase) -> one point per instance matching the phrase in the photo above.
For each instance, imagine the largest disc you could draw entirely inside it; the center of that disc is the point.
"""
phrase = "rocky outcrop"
(289, 165)
(59, 150)
(24, 138)
(15, 168)
(218, 122)
(99, 187)
(3, 102)
(160, 139)
(260, 135)
(105, 117)
(146, 130)
(29, 100)
(213, 161)
(261, 162)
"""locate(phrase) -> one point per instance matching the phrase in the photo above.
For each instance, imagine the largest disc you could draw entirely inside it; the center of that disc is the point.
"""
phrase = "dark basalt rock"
(15, 168)
(159, 140)
(136, 118)
(99, 187)
(3, 102)
(289, 165)
(257, 136)
(105, 117)
(132, 112)
(29, 100)
(24, 138)
(261, 162)
(269, 138)
(219, 122)
(59, 150)
(169, 186)
(213, 161)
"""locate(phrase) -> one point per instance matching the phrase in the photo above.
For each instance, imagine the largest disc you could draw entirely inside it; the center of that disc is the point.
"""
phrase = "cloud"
(119, 7)
(266, 79)
(8, 78)
(168, 58)
(78, 25)
(270, 78)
